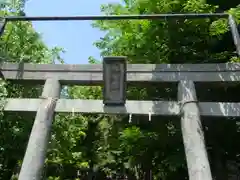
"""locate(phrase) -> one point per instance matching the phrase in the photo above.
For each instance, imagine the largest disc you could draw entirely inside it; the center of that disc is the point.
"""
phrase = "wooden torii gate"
(187, 107)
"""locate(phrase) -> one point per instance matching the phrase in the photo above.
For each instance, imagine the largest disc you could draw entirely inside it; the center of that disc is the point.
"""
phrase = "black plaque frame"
(107, 61)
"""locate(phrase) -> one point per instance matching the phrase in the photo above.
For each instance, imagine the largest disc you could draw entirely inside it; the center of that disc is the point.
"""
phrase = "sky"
(76, 37)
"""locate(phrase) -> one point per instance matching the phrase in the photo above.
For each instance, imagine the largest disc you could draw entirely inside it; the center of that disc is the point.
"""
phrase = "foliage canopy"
(108, 145)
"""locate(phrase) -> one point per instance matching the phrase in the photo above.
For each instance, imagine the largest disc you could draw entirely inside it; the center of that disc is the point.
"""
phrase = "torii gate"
(114, 74)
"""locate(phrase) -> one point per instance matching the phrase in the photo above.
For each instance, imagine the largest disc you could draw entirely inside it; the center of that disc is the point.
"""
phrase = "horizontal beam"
(95, 106)
(92, 74)
(130, 67)
(166, 108)
(113, 17)
(96, 78)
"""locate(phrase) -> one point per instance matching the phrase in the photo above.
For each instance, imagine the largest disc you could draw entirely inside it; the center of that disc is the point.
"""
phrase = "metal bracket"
(3, 23)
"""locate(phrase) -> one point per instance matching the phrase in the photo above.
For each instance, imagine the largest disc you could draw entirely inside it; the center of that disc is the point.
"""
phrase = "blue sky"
(76, 37)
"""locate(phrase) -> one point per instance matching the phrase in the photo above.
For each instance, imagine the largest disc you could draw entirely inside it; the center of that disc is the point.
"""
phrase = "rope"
(51, 101)
(183, 103)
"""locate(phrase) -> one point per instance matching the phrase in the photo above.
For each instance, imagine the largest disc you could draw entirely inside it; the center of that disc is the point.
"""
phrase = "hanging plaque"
(114, 77)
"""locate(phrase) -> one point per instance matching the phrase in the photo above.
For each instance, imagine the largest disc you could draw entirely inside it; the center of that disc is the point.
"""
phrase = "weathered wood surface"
(217, 109)
(34, 158)
(193, 136)
(96, 78)
(130, 67)
(148, 73)
(97, 106)
(235, 33)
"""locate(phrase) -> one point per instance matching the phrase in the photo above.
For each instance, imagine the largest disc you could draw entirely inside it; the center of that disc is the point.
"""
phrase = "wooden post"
(193, 137)
(235, 34)
(34, 158)
(2, 25)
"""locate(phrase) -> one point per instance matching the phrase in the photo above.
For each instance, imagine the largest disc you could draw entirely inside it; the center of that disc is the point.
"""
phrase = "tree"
(87, 146)
(169, 41)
